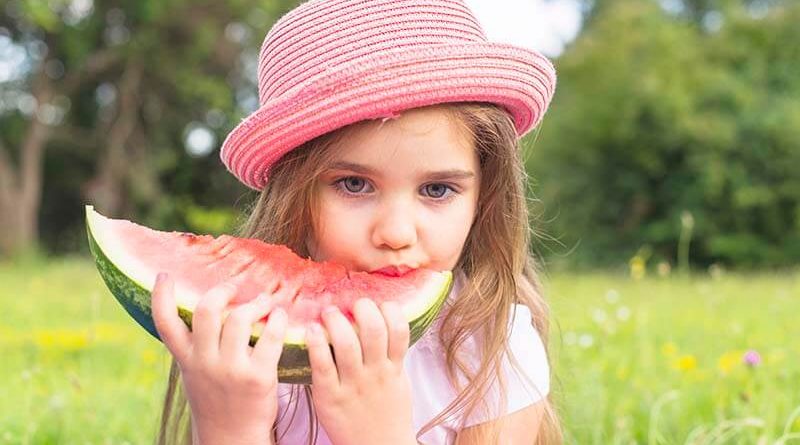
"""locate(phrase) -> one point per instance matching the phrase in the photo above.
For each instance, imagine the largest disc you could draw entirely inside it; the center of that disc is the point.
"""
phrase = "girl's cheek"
(340, 227)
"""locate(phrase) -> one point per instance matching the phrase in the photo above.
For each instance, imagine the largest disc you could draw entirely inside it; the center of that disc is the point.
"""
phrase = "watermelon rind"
(132, 290)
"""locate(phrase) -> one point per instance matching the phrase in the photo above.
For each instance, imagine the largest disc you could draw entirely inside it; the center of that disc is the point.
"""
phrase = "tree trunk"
(20, 196)
(106, 190)
(21, 188)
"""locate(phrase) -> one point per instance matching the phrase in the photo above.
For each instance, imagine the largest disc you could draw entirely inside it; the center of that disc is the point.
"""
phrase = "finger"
(238, 326)
(267, 350)
(399, 334)
(323, 369)
(346, 346)
(287, 291)
(207, 319)
(372, 331)
(170, 327)
(266, 354)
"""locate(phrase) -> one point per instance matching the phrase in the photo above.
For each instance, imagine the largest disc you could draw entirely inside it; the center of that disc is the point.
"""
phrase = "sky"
(543, 25)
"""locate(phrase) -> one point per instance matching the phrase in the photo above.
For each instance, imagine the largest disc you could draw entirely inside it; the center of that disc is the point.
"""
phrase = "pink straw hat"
(330, 63)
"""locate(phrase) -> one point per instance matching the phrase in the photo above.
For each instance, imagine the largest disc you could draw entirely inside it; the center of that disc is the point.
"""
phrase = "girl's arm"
(517, 428)
(221, 437)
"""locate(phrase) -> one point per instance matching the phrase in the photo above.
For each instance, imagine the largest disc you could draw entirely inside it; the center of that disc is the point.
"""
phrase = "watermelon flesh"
(129, 256)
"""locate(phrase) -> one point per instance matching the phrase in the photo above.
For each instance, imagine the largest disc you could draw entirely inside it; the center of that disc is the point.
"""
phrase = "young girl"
(387, 139)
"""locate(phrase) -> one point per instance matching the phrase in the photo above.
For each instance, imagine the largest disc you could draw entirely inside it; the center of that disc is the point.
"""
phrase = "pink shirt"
(426, 368)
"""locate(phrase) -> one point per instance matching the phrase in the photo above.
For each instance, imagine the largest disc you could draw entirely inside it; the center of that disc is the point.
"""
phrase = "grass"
(657, 360)
(661, 360)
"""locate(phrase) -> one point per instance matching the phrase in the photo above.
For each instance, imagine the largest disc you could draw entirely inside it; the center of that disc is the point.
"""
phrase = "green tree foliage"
(129, 79)
(666, 111)
(657, 116)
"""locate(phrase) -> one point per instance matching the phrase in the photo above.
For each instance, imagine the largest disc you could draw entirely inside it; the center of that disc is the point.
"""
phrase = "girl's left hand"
(365, 396)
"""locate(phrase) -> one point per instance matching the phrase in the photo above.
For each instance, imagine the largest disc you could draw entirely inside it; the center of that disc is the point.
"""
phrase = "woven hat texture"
(330, 63)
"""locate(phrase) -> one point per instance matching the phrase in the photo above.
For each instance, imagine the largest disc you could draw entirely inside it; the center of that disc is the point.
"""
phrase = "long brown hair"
(496, 260)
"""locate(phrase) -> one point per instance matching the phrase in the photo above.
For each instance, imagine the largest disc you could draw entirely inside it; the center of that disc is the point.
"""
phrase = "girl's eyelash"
(338, 185)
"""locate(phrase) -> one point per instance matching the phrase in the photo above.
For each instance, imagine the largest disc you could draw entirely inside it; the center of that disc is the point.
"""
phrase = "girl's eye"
(437, 190)
(351, 184)
(354, 185)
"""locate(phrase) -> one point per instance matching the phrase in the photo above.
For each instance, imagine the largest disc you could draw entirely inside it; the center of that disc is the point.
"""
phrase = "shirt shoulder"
(525, 370)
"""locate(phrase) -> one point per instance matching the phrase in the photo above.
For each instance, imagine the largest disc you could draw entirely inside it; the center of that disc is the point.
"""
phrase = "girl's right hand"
(231, 388)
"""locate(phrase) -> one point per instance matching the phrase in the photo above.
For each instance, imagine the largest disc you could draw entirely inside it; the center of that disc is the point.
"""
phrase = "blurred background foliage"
(674, 135)
(672, 120)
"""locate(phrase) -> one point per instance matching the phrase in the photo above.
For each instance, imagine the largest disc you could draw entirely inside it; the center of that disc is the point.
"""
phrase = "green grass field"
(650, 361)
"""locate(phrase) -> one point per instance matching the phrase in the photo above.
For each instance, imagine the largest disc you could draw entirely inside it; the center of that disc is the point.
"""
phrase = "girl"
(387, 139)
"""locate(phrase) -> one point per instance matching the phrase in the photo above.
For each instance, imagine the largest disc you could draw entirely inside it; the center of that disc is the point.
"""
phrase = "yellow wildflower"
(728, 361)
(685, 363)
(637, 265)
(64, 339)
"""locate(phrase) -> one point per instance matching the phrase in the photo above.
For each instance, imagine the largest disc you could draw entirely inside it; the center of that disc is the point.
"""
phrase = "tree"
(156, 65)
(21, 186)
(655, 117)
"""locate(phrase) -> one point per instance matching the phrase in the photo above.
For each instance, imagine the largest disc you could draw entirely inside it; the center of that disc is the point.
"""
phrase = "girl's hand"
(365, 396)
(230, 387)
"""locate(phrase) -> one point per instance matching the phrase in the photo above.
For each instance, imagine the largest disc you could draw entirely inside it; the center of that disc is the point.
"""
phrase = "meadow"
(656, 359)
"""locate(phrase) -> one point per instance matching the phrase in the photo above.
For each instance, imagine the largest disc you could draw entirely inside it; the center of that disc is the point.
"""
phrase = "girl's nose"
(395, 226)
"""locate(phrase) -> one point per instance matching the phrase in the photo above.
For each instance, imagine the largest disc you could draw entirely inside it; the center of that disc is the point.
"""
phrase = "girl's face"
(399, 193)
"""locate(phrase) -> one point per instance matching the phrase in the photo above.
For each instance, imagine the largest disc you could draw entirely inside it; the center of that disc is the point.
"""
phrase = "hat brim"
(520, 80)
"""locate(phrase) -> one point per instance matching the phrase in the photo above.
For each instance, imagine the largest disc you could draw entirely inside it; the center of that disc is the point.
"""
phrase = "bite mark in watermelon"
(129, 256)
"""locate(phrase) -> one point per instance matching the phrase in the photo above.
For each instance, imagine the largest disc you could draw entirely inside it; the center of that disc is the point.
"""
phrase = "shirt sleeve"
(526, 384)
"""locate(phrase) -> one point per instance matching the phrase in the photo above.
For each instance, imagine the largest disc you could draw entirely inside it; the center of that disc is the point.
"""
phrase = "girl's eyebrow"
(441, 174)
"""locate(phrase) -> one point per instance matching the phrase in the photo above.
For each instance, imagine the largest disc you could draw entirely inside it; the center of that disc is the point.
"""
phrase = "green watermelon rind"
(293, 365)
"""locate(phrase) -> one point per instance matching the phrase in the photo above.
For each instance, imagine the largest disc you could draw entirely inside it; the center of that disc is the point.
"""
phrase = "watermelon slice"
(129, 256)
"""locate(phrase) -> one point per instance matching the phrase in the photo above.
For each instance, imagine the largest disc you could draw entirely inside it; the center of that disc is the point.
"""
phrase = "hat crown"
(320, 34)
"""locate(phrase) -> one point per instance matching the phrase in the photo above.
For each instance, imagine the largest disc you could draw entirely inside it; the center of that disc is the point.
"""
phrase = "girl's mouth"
(393, 271)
